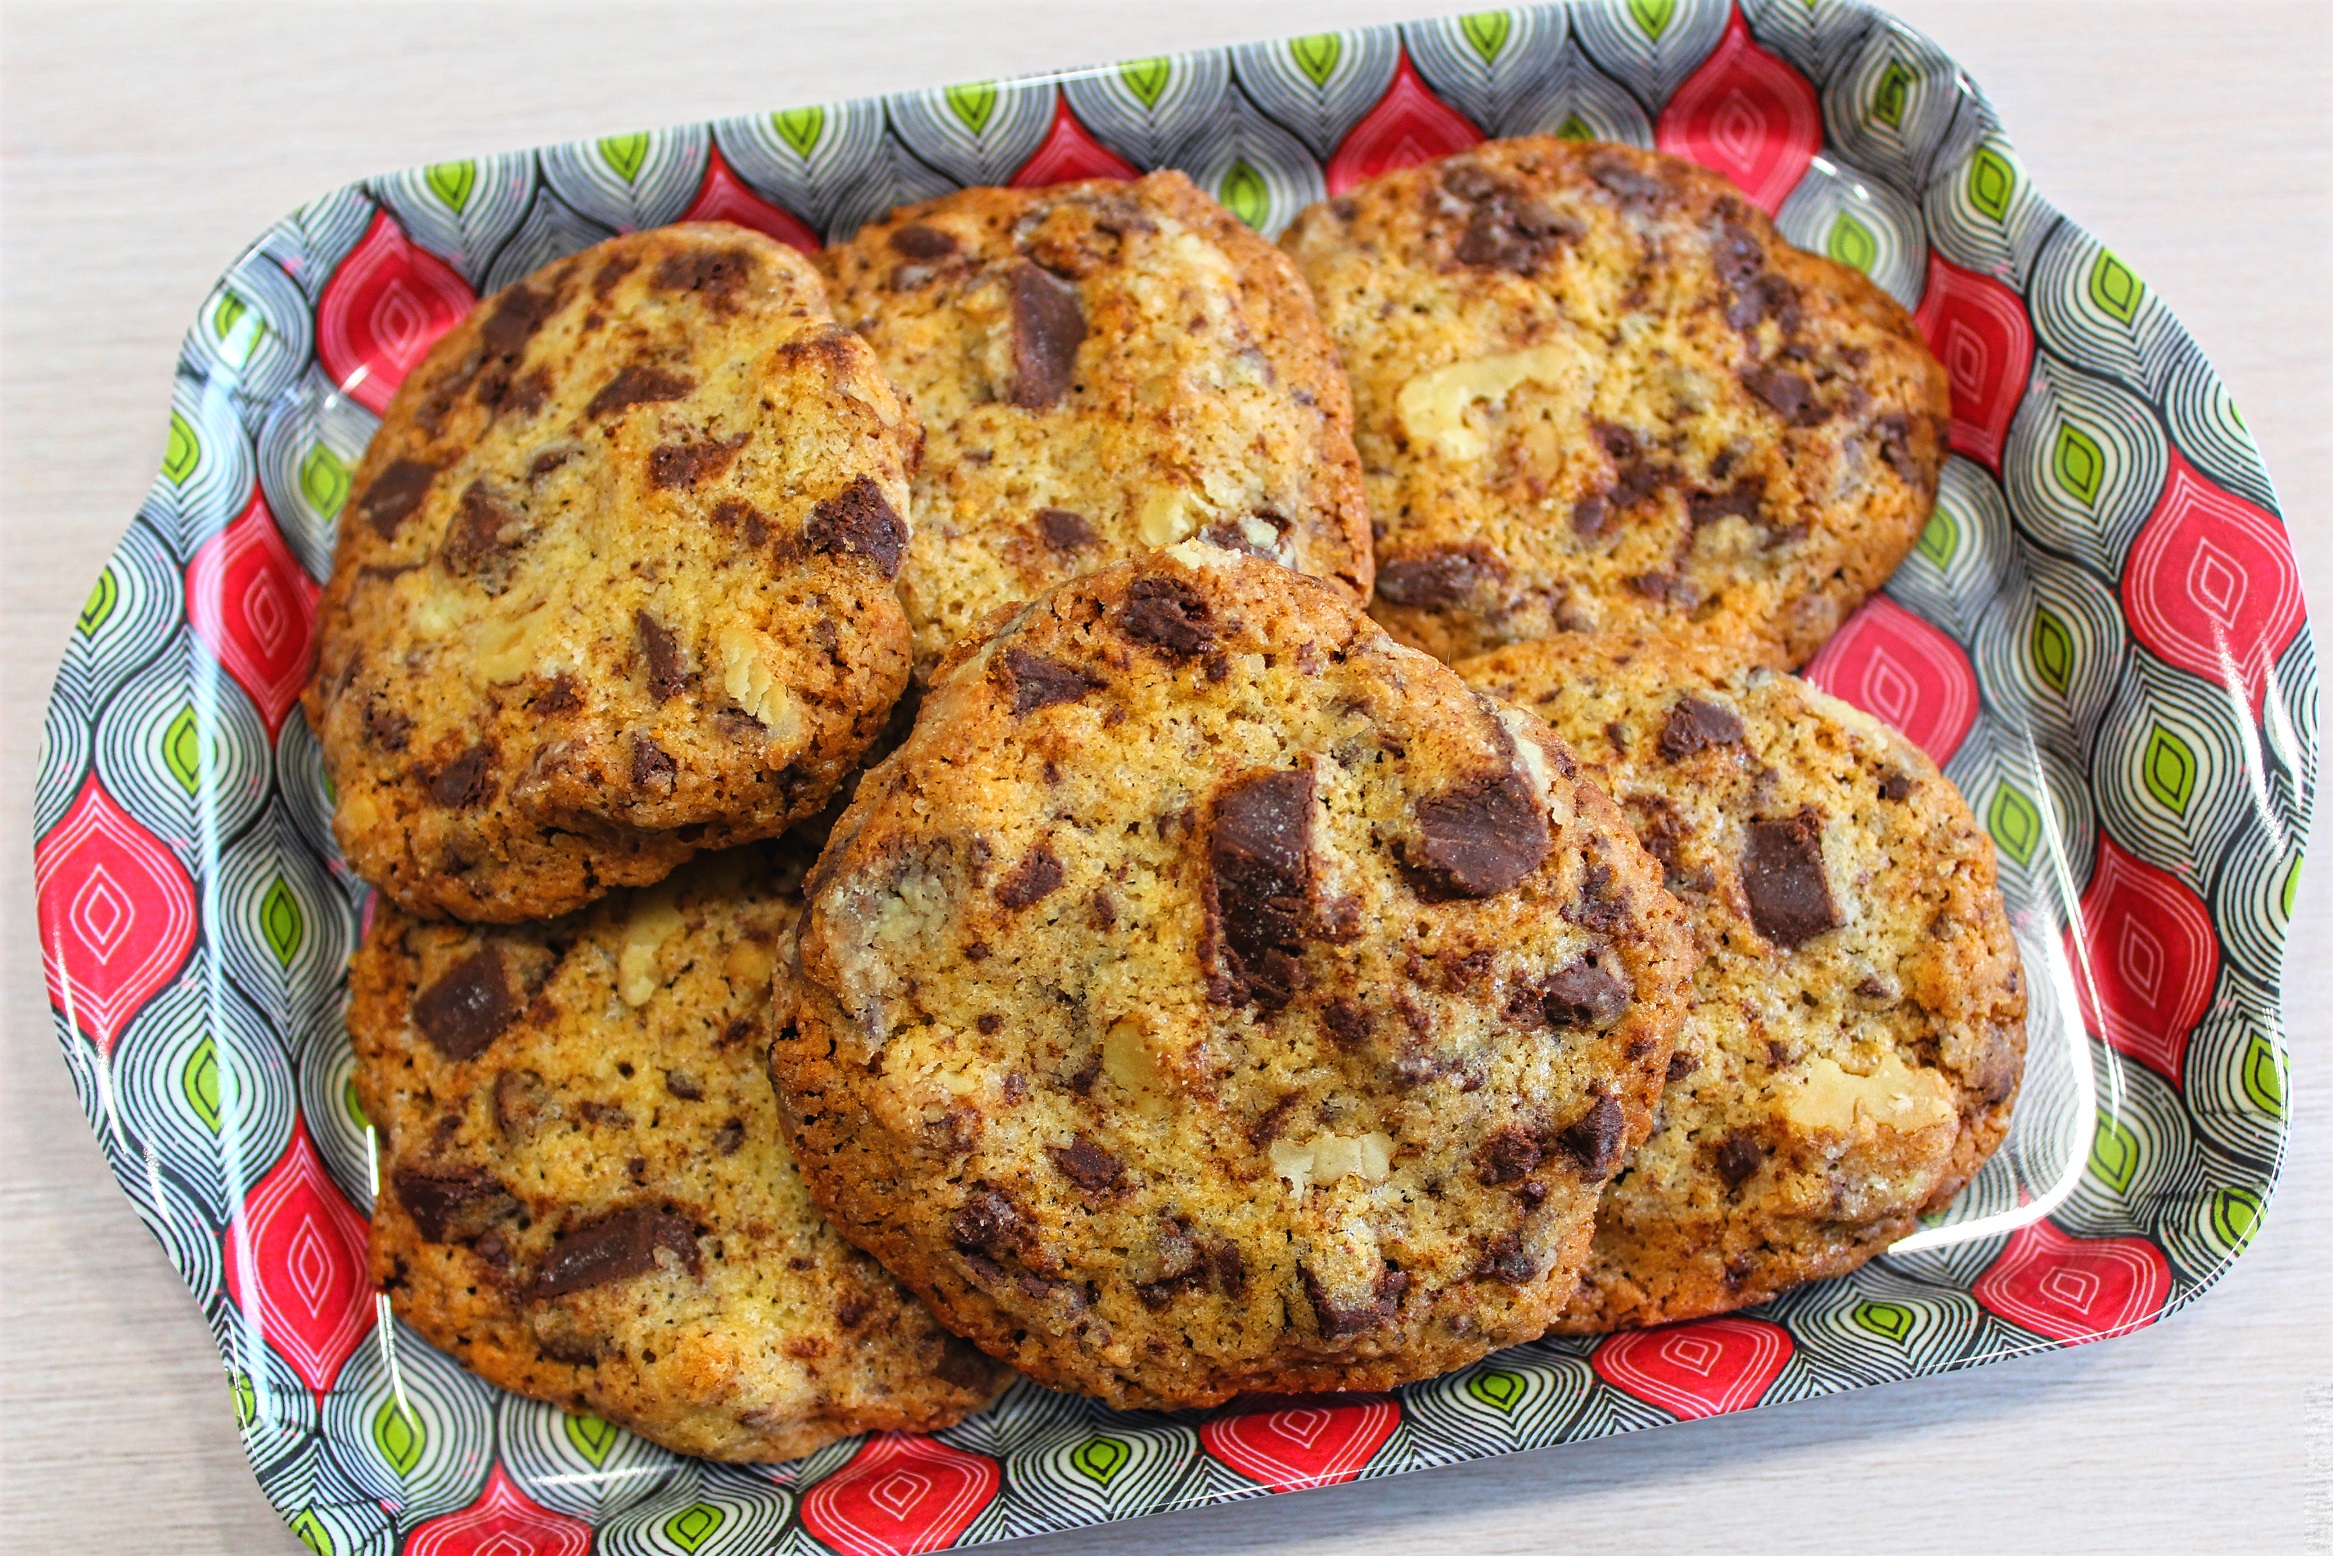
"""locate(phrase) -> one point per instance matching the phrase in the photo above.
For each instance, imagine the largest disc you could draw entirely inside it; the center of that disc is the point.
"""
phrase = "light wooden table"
(144, 145)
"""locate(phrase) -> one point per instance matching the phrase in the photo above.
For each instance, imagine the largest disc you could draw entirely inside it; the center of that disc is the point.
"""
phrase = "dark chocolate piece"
(1783, 877)
(617, 1247)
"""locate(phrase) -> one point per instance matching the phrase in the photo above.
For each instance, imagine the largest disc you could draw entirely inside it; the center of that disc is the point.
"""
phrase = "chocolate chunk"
(450, 1203)
(1063, 530)
(1169, 615)
(1668, 588)
(559, 696)
(1681, 1064)
(990, 1023)
(961, 1365)
(1048, 325)
(464, 783)
(1740, 501)
(611, 271)
(685, 464)
(1582, 994)
(1505, 1259)
(521, 1102)
(638, 384)
(988, 1222)
(921, 243)
(1601, 907)
(1348, 1024)
(1509, 230)
(467, 1008)
(1786, 393)
(652, 766)
(717, 273)
(393, 495)
(606, 1114)
(1621, 177)
(729, 1137)
(1738, 255)
(1259, 875)
(528, 396)
(1039, 682)
(1783, 877)
(1593, 1141)
(1338, 1322)
(1693, 726)
(858, 521)
(1895, 786)
(484, 529)
(1588, 515)
(1507, 1157)
(735, 515)
(1737, 1156)
(1479, 838)
(1030, 881)
(385, 728)
(1894, 432)
(1089, 1166)
(617, 1247)
(518, 313)
(1437, 580)
(1760, 297)
(666, 678)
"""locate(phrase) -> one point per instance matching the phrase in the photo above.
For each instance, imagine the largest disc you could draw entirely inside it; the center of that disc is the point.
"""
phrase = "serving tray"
(2100, 637)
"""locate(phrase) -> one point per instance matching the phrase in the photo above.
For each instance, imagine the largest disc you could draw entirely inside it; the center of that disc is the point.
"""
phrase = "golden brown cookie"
(616, 583)
(1857, 1029)
(1214, 995)
(1101, 369)
(585, 1196)
(1596, 391)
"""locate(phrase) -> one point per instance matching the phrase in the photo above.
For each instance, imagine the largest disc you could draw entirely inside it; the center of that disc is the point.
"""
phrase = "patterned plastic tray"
(2100, 637)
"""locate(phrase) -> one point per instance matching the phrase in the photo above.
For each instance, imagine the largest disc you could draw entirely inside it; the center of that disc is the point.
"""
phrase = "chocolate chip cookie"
(585, 1195)
(616, 583)
(1101, 369)
(1857, 1029)
(1213, 995)
(1596, 391)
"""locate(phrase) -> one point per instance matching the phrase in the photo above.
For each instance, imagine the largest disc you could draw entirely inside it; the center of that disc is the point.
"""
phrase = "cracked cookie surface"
(585, 1195)
(616, 581)
(1101, 369)
(1857, 1026)
(1214, 995)
(1596, 391)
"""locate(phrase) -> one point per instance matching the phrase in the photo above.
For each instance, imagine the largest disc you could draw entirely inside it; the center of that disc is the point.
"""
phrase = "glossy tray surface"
(2100, 637)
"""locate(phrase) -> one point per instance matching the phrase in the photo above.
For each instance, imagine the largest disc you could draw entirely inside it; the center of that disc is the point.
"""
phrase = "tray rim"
(2296, 816)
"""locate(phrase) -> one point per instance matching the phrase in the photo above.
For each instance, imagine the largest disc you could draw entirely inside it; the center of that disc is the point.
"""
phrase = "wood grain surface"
(140, 147)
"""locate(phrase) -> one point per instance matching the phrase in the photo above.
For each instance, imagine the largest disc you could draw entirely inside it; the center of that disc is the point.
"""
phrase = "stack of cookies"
(1064, 789)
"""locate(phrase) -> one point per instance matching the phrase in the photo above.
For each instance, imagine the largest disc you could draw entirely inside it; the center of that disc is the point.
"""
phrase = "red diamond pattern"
(382, 310)
(2211, 584)
(1745, 113)
(1705, 1368)
(296, 1265)
(254, 607)
(504, 1521)
(2145, 961)
(1978, 329)
(2076, 1289)
(1297, 1442)
(1904, 672)
(1408, 126)
(900, 1495)
(1068, 153)
(117, 914)
(723, 197)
